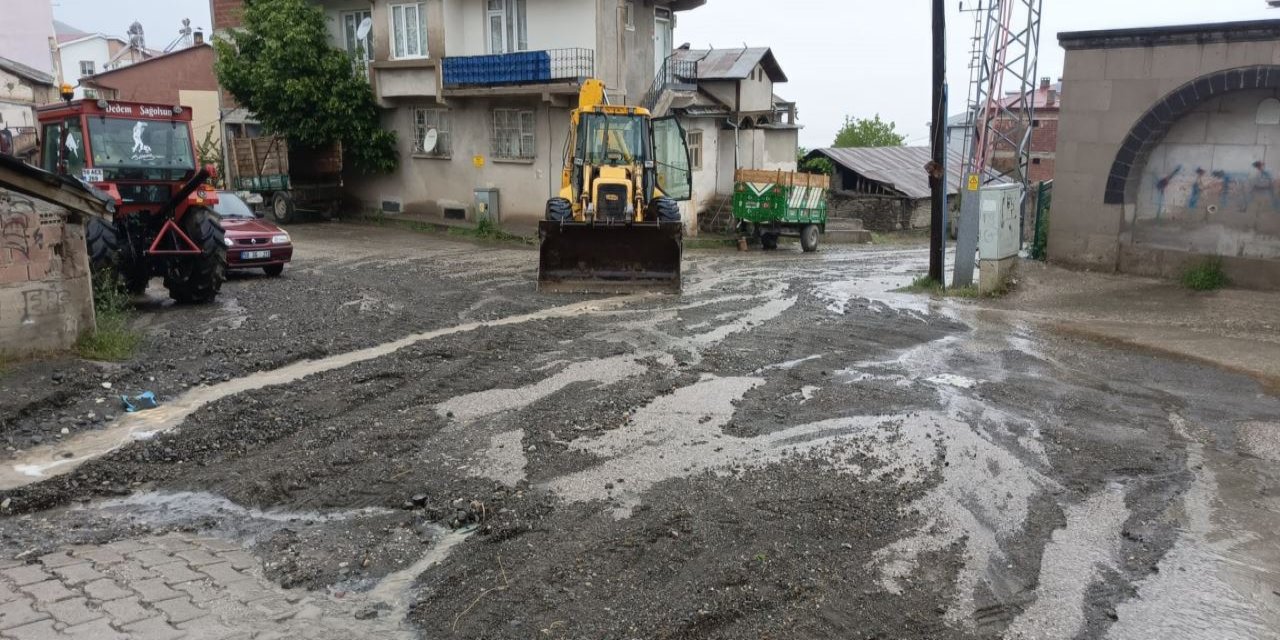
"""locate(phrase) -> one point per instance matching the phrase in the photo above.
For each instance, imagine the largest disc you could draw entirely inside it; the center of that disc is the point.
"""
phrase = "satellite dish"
(362, 31)
(430, 140)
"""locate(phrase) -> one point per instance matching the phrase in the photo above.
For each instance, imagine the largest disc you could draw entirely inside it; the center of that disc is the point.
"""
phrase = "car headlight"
(280, 238)
(229, 241)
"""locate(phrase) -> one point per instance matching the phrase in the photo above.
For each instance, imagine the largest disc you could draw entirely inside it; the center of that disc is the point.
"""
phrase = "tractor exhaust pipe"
(187, 189)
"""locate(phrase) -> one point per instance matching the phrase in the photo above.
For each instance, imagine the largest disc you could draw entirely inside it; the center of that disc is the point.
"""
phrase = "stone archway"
(1124, 179)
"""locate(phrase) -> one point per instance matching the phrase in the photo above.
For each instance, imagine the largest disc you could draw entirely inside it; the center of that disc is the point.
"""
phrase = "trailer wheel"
(809, 238)
(559, 210)
(282, 207)
(664, 210)
(769, 241)
(199, 278)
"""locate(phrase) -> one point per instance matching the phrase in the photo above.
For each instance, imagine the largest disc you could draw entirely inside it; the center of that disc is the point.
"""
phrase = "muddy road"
(399, 438)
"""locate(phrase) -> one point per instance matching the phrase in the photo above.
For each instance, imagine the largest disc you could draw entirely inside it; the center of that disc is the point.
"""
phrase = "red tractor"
(143, 157)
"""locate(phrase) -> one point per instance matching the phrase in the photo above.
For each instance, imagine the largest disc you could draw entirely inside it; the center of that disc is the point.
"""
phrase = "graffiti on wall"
(1204, 193)
(20, 234)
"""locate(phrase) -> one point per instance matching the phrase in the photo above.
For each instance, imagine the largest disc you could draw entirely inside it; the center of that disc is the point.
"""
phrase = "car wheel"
(273, 270)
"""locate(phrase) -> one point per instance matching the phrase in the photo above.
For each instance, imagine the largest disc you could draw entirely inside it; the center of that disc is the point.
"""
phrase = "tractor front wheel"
(104, 246)
(199, 278)
(559, 210)
(282, 207)
(665, 210)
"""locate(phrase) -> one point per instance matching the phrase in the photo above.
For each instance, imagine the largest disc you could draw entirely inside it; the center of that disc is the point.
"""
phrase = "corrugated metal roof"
(899, 168)
(732, 64)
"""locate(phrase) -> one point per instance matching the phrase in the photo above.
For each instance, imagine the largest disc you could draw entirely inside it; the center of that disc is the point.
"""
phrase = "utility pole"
(938, 131)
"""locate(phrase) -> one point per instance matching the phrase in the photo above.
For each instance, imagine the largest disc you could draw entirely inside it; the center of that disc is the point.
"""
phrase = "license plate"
(255, 255)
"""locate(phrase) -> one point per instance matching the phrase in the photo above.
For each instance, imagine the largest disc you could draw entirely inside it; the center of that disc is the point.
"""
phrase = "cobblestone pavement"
(172, 587)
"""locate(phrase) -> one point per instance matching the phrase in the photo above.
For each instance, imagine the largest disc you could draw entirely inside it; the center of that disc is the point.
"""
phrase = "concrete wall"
(1209, 188)
(46, 298)
(883, 214)
(26, 26)
(17, 98)
(757, 91)
(1105, 93)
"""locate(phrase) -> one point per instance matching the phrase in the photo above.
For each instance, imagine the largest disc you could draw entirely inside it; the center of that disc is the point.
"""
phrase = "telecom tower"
(1001, 107)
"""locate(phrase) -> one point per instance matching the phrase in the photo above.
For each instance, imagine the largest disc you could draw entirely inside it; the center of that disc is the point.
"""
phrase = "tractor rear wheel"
(809, 238)
(282, 207)
(199, 278)
(559, 210)
(664, 210)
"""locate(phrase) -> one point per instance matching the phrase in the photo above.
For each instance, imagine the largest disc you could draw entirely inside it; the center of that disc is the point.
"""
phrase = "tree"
(816, 165)
(281, 68)
(864, 132)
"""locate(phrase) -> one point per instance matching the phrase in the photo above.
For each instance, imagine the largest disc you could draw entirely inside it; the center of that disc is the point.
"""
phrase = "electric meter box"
(999, 233)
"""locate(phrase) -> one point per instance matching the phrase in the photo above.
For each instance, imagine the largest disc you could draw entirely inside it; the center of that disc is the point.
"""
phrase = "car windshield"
(126, 143)
(614, 139)
(231, 206)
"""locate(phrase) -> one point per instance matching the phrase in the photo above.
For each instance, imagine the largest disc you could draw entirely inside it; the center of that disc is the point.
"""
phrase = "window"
(408, 30)
(513, 136)
(629, 14)
(508, 26)
(1269, 112)
(427, 120)
(86, 68)
(361, 51)
(694, 139)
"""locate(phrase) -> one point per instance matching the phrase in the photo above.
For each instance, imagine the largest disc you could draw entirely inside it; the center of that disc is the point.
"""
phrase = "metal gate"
(1044, 202)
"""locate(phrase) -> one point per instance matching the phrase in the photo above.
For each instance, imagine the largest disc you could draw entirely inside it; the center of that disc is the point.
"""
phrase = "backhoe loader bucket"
(610, 258)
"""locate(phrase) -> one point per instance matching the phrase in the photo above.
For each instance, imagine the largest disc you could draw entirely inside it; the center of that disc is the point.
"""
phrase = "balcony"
(550, 71)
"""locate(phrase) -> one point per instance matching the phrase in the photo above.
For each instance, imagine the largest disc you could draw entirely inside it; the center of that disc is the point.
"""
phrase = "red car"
(252, 243)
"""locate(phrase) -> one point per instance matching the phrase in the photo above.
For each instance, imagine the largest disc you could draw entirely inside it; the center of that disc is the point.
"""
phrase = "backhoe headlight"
(280, 238)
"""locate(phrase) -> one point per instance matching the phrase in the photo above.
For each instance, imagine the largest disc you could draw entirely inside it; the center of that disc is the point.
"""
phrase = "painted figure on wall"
(1262, 188)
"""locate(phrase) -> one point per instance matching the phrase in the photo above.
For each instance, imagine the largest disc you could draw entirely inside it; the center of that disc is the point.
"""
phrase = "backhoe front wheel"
(665, 210)
(559, 210)
(199, 278)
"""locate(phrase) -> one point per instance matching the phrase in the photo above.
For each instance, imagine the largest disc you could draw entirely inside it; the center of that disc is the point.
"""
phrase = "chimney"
(1051, 99)
(1044, 83)
(197, 38)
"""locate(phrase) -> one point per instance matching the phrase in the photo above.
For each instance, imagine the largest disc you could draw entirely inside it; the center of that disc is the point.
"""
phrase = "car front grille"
(253, 241)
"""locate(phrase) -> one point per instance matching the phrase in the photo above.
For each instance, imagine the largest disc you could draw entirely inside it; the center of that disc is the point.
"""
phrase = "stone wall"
(1124, 92)
(46, 297)
(882, 214)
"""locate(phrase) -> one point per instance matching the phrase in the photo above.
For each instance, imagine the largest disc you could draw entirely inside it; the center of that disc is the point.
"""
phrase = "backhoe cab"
(615, 226)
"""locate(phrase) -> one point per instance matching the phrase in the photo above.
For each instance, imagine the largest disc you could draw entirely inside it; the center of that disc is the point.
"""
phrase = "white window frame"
(82, 67)
(400, 49)
(513, 16)
(629, 15)
(694, 139)
(439, 119)
(522, 123)
(349, 22)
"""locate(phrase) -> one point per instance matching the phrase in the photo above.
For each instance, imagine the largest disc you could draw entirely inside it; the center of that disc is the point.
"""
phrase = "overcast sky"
(857, 57)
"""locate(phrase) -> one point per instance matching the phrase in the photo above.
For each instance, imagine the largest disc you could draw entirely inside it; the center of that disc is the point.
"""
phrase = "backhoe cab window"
(150, 144)
(613, 140)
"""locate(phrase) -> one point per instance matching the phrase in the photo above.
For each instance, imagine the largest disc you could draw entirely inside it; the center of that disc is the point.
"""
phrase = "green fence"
(1044, 202)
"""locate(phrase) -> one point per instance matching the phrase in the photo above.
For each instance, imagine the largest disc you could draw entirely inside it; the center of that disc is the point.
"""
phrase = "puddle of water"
(1260, 439)
(50, 460)
(603, 372)
(396, 589)
(952, 380)
(182, 506)
(1197, 593)
(1070, 564)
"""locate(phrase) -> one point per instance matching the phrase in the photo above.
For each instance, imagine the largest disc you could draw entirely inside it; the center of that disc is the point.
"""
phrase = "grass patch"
(1205, 275)
(484, 230)
(931, 287)
(113, 339)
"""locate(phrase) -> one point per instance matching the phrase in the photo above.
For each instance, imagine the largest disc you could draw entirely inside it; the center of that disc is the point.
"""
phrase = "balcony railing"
(676, 75)
(523, 67)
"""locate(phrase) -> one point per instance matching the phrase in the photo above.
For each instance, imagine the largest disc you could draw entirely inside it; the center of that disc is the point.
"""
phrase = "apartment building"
(495, 81)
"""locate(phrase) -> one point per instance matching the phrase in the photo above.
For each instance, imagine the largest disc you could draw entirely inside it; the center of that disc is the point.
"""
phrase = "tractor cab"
(143, 156)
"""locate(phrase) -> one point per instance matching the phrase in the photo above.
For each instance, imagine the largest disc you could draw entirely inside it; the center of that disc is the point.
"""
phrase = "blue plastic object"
(141, 402)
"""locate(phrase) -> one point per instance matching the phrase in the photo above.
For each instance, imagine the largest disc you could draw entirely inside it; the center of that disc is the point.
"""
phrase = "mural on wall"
(1210, 188)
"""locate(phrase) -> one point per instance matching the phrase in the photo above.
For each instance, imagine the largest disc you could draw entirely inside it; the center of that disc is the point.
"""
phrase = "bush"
(1205, 275)
(113, 339)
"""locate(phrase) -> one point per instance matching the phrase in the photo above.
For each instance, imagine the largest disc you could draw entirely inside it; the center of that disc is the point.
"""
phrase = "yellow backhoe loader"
(615, 226)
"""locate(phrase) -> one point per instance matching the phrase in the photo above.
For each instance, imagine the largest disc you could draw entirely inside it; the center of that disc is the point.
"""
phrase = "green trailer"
(770, 204)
